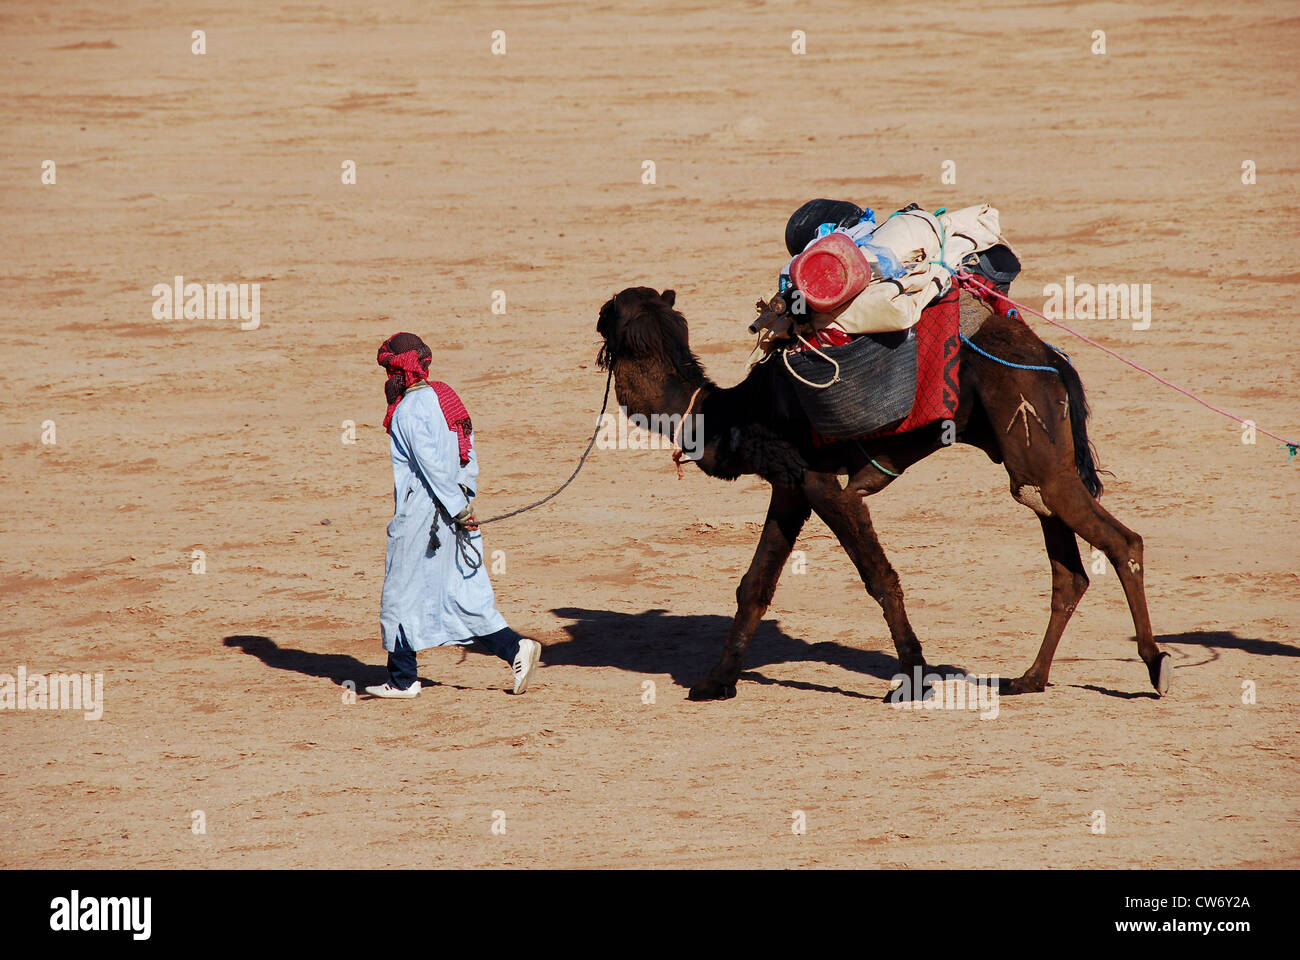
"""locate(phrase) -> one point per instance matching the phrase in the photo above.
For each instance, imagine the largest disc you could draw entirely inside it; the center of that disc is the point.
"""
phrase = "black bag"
(875, 388)
(801, 228)
(997, 264)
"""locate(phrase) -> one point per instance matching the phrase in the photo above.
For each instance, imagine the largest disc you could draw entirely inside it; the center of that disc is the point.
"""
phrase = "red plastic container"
(830, 272)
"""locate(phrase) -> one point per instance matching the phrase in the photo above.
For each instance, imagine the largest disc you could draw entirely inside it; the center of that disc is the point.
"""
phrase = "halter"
(677, 432)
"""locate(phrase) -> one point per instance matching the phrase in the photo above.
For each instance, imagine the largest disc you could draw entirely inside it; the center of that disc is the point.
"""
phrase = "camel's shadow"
(338, 667)
(685, 647)
(1215, 640)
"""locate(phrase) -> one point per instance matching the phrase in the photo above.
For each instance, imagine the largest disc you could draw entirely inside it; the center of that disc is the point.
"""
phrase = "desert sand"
(225, 692)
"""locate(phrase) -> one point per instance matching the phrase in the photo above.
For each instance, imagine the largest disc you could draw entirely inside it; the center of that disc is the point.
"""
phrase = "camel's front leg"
(786, 515)
(846, 513)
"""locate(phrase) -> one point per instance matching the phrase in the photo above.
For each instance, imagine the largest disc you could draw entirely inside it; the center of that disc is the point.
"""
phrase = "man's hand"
(466, 519)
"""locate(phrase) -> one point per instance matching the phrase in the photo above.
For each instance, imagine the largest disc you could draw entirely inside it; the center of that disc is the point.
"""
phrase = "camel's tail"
(1085, 455)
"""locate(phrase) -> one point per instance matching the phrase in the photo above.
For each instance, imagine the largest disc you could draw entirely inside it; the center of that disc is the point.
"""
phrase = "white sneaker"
(390, 692)
(526, 660)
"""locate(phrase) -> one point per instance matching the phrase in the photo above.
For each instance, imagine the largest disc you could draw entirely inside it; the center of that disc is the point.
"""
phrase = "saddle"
(878, 384)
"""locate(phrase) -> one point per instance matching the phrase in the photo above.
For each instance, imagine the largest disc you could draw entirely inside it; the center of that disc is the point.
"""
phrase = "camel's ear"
(669, 297)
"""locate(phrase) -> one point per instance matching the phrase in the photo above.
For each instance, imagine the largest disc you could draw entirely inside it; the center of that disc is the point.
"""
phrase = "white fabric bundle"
(928, 247)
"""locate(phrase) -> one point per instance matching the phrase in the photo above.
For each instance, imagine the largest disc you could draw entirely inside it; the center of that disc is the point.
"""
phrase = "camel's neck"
(736, 432)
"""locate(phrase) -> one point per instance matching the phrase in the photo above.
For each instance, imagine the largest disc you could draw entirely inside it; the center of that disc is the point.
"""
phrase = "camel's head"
(640, 324)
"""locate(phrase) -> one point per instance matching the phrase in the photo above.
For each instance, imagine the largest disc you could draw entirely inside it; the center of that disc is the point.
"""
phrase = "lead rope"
(581, 461)
(1291, 446)
(469, 552)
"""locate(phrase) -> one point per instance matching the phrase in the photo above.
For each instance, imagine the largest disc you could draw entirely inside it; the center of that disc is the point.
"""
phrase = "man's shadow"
(339, 668)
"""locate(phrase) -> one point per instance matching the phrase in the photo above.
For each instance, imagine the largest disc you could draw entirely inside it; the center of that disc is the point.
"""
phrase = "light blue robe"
(437, 599)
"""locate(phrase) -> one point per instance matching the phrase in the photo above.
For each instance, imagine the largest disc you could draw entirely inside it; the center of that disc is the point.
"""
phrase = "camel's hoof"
(1162, 671)
(906, 691)
(1025, 684)
(712, 690)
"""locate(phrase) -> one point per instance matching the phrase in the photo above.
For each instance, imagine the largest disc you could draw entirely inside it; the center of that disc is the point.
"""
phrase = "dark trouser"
(401, 662)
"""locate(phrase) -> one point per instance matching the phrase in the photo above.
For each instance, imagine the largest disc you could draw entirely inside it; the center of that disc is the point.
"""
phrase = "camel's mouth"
(608, 328)
(605, 356)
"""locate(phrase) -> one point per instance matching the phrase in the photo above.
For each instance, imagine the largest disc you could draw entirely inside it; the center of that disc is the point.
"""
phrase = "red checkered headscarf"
(406, 358)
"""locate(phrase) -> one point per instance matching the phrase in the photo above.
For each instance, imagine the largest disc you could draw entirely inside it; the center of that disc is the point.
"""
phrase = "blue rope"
(1010, 313)
(1061, 352)
(1007, 363)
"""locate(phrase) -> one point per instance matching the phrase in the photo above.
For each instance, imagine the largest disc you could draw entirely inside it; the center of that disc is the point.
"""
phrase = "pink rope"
(970, 278)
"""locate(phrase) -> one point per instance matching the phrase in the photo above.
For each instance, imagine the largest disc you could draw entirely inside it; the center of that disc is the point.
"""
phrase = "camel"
(1033, 422)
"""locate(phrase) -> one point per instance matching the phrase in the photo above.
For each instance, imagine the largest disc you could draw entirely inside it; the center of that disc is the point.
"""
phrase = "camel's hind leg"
(786, 515)
(1123, 548)
(1069, 581)
(1037, 447)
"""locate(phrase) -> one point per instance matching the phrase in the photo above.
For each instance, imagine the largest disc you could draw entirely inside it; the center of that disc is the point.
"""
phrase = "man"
(436, 588)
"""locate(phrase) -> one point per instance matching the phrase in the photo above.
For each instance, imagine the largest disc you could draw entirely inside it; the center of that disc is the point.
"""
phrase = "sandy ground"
(224, 691)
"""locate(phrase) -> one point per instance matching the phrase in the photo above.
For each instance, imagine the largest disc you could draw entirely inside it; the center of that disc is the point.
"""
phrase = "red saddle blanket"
(938, 348)
(938, 351)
